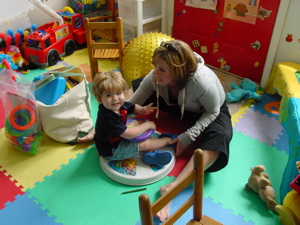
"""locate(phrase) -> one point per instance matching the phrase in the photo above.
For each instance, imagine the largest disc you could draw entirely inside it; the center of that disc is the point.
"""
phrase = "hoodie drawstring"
(157, 101)
(182, 107)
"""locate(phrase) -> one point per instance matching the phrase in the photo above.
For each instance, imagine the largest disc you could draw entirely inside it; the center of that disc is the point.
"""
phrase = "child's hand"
(146, 110)
(151, 124)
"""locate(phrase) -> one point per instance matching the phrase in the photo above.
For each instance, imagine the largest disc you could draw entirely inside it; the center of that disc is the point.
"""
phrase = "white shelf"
(142, 16)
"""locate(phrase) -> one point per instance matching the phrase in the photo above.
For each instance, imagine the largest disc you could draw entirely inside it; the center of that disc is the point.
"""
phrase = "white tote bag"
(70, 116)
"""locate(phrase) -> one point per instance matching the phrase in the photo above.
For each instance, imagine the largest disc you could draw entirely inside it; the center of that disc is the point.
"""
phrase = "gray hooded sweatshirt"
(203, 93)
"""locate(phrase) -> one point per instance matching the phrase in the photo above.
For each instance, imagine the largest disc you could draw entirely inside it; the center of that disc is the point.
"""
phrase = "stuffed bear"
(246, 90)
(259, 182)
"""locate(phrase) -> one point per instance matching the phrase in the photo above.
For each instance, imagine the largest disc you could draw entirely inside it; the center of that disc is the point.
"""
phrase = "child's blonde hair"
(108, 81)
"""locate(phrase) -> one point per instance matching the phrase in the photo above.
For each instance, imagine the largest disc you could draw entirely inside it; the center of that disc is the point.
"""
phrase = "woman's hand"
(146, 110)
(179, 147)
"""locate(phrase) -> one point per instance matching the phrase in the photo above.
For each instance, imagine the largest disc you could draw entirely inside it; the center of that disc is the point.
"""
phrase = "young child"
(111, 134)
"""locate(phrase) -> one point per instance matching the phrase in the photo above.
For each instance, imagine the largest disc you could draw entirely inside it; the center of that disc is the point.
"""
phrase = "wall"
(22, 14)
(279, 25)
(290, 51)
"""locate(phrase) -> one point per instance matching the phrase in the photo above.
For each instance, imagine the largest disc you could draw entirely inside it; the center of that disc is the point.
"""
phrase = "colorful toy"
(131, 122)
(86, 7)
(48, 43)
(17, 115)
(10, 39)
(138, 53)
(21, 128)
(259, 182)
(6, 62)
(134, 172)
(246, 90)
(289, 211)
(52, 90)
(18, 59)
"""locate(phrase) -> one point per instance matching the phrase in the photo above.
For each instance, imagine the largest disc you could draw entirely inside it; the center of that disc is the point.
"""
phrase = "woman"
(182, 85)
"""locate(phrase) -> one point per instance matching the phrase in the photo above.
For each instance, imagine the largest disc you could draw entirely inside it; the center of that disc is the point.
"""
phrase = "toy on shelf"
(87, 7)
(247, 89)
(289, 211)
(259, 182)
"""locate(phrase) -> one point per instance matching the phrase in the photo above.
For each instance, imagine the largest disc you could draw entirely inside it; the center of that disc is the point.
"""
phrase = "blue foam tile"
(215, 211)
(262, 105)
(282, 143)
(24, 211)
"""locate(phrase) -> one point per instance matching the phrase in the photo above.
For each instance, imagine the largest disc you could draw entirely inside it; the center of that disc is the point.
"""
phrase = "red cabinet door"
(238, 47)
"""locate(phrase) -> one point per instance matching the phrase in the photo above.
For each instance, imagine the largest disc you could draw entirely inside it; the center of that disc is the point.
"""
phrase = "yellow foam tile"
(236, 116)
(27, 169)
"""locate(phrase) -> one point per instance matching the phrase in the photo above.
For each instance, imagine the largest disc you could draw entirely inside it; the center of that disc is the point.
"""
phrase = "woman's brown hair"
(180, 58)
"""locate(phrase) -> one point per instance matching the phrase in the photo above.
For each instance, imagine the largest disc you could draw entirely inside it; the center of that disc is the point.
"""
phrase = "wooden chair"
(196, 176)
(106, 34)
(102, 49)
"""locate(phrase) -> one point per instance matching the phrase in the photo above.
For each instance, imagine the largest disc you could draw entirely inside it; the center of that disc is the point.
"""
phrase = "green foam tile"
(80, 193)
(228, 185)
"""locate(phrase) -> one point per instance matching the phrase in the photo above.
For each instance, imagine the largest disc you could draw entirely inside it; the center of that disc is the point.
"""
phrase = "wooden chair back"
(102, 49)
(196, 176)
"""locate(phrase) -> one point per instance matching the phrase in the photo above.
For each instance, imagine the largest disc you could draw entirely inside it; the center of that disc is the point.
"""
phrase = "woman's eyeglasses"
(169, 47)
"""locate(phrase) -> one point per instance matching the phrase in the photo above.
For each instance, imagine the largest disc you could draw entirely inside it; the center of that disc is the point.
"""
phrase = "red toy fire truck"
(48, 43)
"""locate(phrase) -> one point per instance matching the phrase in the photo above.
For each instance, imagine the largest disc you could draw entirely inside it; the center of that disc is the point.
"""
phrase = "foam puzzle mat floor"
(65, 185)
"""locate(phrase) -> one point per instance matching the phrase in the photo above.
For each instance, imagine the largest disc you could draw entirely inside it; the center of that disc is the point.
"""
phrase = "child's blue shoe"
(157, 158)
(173, 136)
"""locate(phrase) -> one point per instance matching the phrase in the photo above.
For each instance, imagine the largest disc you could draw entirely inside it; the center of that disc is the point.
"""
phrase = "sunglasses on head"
(169, 47)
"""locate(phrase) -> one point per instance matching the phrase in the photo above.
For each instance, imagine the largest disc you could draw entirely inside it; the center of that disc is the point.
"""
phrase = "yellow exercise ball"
(137, 57)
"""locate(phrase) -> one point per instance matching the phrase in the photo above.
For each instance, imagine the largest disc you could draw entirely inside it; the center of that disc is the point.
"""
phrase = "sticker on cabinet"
(215, 47)
(255, 45)
(208, 4)
(222, 62)
(204, 49)
(196, 43)
(289, 38)
(241, 11)
(263, 13)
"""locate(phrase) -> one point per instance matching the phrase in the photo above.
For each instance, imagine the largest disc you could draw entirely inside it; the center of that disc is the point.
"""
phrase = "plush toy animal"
(259, 182)
(246, 90)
